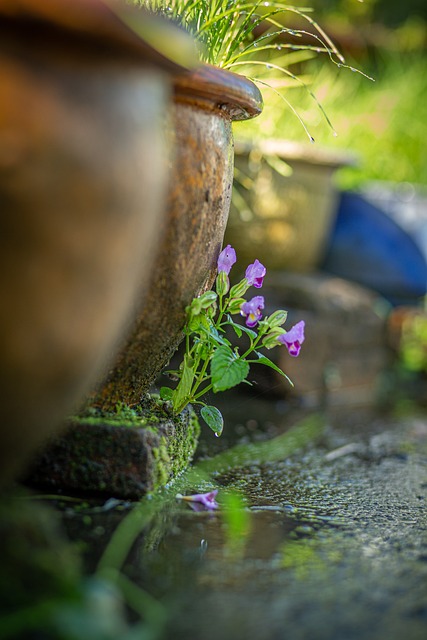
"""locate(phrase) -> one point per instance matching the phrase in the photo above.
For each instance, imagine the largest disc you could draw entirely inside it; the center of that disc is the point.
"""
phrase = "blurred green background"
(382, 121)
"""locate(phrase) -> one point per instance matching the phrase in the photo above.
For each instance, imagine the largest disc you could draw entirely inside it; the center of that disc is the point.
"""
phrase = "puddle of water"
(335, 549)
(321, 534)
(328, 541)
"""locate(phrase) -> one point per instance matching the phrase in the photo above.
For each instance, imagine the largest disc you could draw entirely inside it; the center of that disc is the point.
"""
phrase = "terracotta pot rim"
(104, 25)
(210, 87)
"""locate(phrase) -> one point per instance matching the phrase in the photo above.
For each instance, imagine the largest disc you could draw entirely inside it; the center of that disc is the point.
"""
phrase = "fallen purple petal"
(252, 310)
(294, 338)
(255, 274)
(226, 259)
(202, 501)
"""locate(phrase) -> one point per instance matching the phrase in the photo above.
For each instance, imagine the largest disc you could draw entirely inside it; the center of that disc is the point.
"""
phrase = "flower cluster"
(252, 309)
(211, 362)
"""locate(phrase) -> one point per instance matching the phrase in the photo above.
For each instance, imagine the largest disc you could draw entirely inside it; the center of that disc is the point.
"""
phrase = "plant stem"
(201, 377)
(202, 392)
(251, 348)
(222, 307)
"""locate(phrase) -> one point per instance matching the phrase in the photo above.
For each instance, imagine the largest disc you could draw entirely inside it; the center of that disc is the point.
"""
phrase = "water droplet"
(335, 134)
(289, 508)
(279, 47)
(266, 4)
(217, 435)
(312, 139)
(255, 44)
(268, 66)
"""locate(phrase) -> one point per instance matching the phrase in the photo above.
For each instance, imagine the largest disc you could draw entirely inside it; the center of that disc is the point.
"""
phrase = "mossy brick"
(103, 456)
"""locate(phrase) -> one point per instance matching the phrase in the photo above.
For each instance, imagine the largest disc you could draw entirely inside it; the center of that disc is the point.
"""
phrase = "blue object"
(368, 247)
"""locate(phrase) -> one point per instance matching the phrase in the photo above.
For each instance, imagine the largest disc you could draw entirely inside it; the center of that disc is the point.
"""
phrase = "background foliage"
(381, 122)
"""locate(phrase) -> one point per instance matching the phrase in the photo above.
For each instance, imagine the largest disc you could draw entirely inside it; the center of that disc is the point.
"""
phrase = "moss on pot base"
(126, 453)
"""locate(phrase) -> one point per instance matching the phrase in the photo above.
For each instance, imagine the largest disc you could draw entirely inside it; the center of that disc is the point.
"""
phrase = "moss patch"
(126, 453)
(123, 415)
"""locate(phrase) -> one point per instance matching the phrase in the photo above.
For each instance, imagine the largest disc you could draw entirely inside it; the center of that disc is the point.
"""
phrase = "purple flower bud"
(294, 338)
(252, 310)
(255, 274)
(226, 259)
(201, 501)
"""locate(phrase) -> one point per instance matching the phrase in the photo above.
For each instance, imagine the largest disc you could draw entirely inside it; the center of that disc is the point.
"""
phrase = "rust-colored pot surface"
(83, 168)
(206, 102)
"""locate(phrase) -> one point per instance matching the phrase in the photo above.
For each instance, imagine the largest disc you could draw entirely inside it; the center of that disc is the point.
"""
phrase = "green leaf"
(249, 332)
(213, 418)
(182, 393)
(268, 363)
(201, 350)
(241, 328)
(238, 330)
(227, 369)
(216, 337)
(263, 327)
(166, 393)
(199, 323)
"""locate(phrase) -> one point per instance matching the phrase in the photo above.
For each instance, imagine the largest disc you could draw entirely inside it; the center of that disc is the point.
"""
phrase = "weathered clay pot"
(285, 217)
(83, 168)
(206, 102)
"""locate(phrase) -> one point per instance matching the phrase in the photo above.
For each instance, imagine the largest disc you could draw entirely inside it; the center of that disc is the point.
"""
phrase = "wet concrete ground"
(334, 545)
(321, 532)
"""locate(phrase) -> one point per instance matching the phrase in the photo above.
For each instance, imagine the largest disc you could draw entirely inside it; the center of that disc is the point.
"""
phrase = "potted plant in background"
(284, 202)
(284, 197)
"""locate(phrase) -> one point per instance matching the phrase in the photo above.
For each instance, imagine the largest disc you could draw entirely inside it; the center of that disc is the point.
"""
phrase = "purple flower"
(252, 310)
(226, 259)
(294, 338)
(201, 501)
(255, 274)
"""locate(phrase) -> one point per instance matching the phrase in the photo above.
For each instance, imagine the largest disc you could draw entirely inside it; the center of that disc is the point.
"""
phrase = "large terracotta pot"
(82, 183)
(206, 102)
(285, 203)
